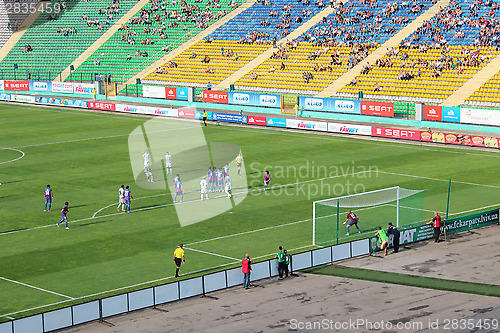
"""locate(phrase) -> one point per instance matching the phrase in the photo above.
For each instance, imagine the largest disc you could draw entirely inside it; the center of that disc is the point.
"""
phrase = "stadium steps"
(224, 85)
(14, 38)
(475, 82)
(101, 40)
(347, 77)
(174, 53)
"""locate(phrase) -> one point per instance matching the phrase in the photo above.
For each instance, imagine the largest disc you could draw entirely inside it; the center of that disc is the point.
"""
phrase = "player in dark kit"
(353, 220)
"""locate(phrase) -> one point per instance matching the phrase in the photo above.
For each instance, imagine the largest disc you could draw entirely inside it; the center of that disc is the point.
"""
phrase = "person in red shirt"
(436, 222)
(246, 268)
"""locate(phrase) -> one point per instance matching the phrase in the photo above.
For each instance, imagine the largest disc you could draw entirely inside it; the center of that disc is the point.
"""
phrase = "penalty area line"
(210, 253)
(37, 288)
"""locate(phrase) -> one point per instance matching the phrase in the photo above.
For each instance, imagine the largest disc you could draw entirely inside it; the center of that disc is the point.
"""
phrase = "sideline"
(30, 286)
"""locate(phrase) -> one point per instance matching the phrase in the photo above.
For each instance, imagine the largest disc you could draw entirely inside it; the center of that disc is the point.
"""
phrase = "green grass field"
(84, 156)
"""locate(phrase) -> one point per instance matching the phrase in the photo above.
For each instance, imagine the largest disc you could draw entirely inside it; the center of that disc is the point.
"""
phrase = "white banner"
(153, 91)
(130, 108)
(307, 125)
(162, 111)
(63, 87)
(1, 85)
(83, 88)
(480, 116)
(23, 98)
(350, 129)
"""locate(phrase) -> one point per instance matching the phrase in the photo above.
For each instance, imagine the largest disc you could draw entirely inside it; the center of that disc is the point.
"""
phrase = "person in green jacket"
(383, 239)
(287, 262)
(280, 255)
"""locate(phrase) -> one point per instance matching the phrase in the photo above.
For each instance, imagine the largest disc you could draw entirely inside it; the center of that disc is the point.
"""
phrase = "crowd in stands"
(347, 24)
(66, 31)
(109, 13)
(457, 21)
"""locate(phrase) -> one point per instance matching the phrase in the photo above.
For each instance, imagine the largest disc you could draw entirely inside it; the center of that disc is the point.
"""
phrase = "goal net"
(398, 205)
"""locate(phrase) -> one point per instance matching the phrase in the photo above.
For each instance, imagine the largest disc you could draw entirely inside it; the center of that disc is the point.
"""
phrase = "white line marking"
(437, 179)
(213, 254)
(117, 289)
(30, 286)
(18, 150)
(259, 189)
(102, 137)
(248, 232)
(472, 210)
(422, 209)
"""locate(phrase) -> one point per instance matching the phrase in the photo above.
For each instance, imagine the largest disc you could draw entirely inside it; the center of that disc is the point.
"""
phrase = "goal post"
(373, 208)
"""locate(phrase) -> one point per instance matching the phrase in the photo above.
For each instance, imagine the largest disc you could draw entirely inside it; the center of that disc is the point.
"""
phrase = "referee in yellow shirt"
(179, 258)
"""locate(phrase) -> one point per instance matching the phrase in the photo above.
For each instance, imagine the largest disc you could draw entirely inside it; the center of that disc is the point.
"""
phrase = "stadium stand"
(56, 39)
(436, 59)
(333, 46)
(11, 18)
(156, 29)
(235, 43)
(487, 94)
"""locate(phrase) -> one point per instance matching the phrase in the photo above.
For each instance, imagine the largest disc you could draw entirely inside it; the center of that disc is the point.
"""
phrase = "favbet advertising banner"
(382, 109)
(432, 112)
(130, 108)
(350, 129)
(22, 85)
(395, 133)
(266, 100)
(162, 111)
(1, 85)
(83, 88)
(257, 120)
(307, 125)
(40, 86)
(276, 122)
(213, 96)
(229, 117)
(62, 87)
(329, 105)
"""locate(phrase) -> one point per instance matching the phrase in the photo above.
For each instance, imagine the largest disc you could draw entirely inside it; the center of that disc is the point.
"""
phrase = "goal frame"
(350, 196)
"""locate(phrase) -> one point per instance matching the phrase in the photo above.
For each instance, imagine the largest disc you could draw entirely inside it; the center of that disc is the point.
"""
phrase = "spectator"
(280, 255)
(209, 85)
(436, 223)
(392, 230)
(246, 268)
(287, 262)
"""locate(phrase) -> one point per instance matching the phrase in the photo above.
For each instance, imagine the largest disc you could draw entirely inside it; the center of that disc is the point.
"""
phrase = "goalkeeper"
(353, 220)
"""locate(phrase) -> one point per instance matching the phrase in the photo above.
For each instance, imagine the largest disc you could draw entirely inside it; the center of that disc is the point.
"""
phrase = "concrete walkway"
(341, 304)
(347, 77)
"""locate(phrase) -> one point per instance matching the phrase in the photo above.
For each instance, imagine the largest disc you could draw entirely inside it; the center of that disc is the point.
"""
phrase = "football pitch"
(86, 156)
